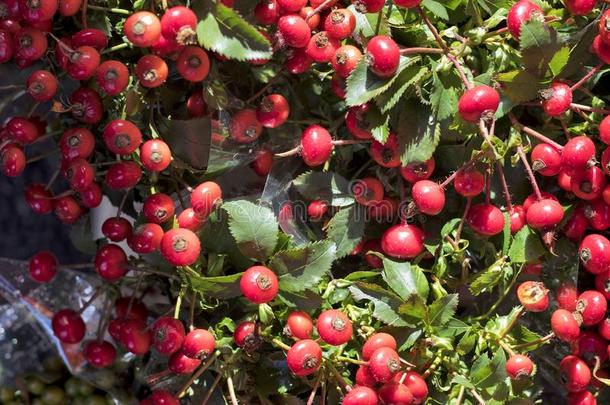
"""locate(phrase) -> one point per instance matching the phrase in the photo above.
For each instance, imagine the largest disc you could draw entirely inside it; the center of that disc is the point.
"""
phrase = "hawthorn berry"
(517, 218)
(364, 378)
(30, 44)
(7, 46)
(395, 393)
(83, 63)
(99, 354)
(316, 145)
(368, 191)
(291, 6)
(37, 11)
(533, 295)
(245, 127)
(597, 213)
(112, 77)
(594, 253)
(428, 196)
(581, 398)
(67, 209)
(386, 154)
(485, 219)
(544, 213)
(39, 199)
(604, 329)
(317, 209)
(123, 175)
(130, 308)
(334, 327)
(293, 31)
(259, 284)
(345, 60)
(416, 384)
(180, 247)
(577, 154)
(178, 24)
(136, 336)
(22, 130)
(340, 23)
(168, 335)
(155, 155)
(190, 220)
(246, 336)
(158, 208)
(111, 262)
(297, 61)
(565, 325)
(193, 64)
(122, 137)
(68, 326)
(602, 284)
(142, 29)
(273, 111)
(590, 345)
(592, 306)
(580, 7)
(361, 396)
(588, 184)
(198, 344)
(557, 99)
(151, 71)
(407, 3)
(520, 13)
(80, 174)
(479, 102)
(383, 56)
(180, 364)
(77, 143)
(518, 366)
(469, 182)
(162, 397)
(546, 160)
(262, 163)
(90, 37)
(86, 106)
(42, 266)
(356, 122)
(304, 357)
(566, 296)
(42, 85)
(321, 48)
(299, 325)
(575, 374)
(267, 12)
(205, 197)
(403, 241)
(372, 245)
(384, 363)
(196, 105)
(376, 341)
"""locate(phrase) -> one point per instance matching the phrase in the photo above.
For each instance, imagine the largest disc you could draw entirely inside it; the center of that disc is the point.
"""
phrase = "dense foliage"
(394, 202)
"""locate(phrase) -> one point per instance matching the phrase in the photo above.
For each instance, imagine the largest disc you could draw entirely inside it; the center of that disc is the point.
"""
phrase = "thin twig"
(232, 391)
(197, 373)
(586, 77)
(530, 172)
(211, 389)
(314, 389)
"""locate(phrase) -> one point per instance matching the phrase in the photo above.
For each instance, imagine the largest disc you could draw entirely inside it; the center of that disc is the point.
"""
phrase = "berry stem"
(512, 323)
(280, 344)
(509, 203)
(543, 339)
(292, 152)
(231, 388)
(115, 48)
(61, 43)
(178, 304)
(478, 397)
(211, 389)
(83, 14)
(506, 347)
(587, 108)
(586, 77)
(11, 87)
(449, 179)
(265, 87)
(500, 299)
(192, 311)
(42, 156)
(314, 389)
(433, 365)
(90, 300)
(318, 9)
(411, 51)
(101, 327)
(110, 9)
(433, 29)
(458, 233)
(460, 396)
(460, 70)
(122, 203)
(529, 131)
(339, 378)
(378, 25)
(344, 142)
(197, 373)
(530, 172)
(54, 177)
(352, 361)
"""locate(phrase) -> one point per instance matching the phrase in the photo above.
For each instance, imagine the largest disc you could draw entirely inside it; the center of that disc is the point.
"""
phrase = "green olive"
(72, 387)
(34, 385)
(6, 394)
(53, 396)
(53, 364)
(85, 389)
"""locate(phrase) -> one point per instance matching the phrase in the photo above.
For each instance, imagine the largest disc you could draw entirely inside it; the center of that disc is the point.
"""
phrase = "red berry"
(205, 197)
(67, 209)
(361, 396)
(368, 191)
(293, 31)
(38, 10)
(544, 214)
(395, 393)
(567, 294)
(592, 305)
(588, 184)
(7, 46)
(178, 24)
(557, 99)
(364, 378)
(317, 209)
(22, 130)
(376, 341)
(546, 160)
(533, 296)
(594, 253)
(180, 364)
(123, 175)
(111, 262)
(485, 219)
(158, 208)
(598, 214)
(168, 335)
(334, 327)
(580, 7)
(267, 12)
(429, 197)
(299, 325)
(196, 105)
(581, 398)
(136, 337)
(384, 364)
(590, 345)
(340, 23)
(577, 225)
(68, 326)
(130, 308)
(384, 55)
(86, 105)
(42, 85)
(601, 49)
(603, 28)
(77, 143)
(91, 197)
(304, 357)
(190, 220)
(151, 71)
(80, 174)
(417, 385)
(602, 284)
(520, 13)
(565, 325)
(259, 284)
(517, 218)
(193, 64)
(518, 366)
(83, 63)
(30, 44)
(356, 122)
(403, 241)
(245, 127)
(39, 198)
(142, 29)
(414, 172)
(604, 329)
(577, 154)
(90, 37)
(316, 145)
(155, 155)
(373, 245)
(198, 344)
(321, 48)
(112, 77)
(339, 86)
(43, 266)
(291, 5)
(246, 336)
(273, 111)
(345, 60)
(575, 374)
(386, 154)
(407, 3)
(180, 247)
(469, 182)
(262, 163)
(297, 61)
(100, 354)
(478, 102)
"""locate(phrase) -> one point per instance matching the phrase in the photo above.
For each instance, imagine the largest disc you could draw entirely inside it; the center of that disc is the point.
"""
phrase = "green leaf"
(436, 8)
(413, 310)
(485, 373)
(559, 61)
(363, 85)
(442, 310)
(366, 23)
(383, 301)
(302, 268)
(444, 97)
(222, 30)
(378, 123)
(520, 85)
(486, 280)
(523, 335)
(327, 186)
(346, 229)
(539, 45)
(217, 239)
(404, 279)
(526, 246)
(418, 133)
(254, 228)
(410, 76)
(223, 287)
(189, 140)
